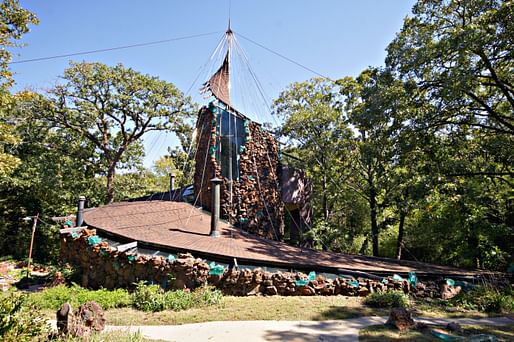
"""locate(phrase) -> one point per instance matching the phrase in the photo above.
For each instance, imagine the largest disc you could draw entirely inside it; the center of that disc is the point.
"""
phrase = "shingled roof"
(179, 226)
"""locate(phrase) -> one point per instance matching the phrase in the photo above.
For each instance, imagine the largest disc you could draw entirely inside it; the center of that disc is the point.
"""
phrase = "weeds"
(154, 298)
(487, 299)
(389, 299)
(54, 297)
(19, 320)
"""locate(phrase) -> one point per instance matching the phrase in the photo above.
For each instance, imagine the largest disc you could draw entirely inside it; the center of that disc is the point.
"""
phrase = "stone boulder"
(401, 319)
(86, 320)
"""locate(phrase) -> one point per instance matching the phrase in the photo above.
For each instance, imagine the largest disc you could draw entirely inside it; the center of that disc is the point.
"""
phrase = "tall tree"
(315, 130)
(113, 107)
(14, 22)
(56, 167)
(460, 55)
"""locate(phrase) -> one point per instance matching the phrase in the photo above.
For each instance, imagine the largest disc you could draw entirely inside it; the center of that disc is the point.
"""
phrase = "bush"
(487, 299)
(54, 297)
(154, 298)
(390, 299)
(148, 297)
(20, 321)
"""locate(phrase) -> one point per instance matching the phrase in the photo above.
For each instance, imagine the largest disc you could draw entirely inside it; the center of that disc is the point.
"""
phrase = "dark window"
(231, 130)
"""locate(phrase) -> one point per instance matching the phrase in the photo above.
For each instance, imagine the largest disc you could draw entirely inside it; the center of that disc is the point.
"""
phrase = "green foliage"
(487, 299)
(112, 108)
(389, 299)
(54, 297)
(14, 22)
(110, 336)
(20, 321)
(454, 56)
(154, 298)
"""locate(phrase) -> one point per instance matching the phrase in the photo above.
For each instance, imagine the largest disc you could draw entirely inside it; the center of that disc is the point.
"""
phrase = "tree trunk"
(373, 217)
(111, 174)
(400, 235)
(324, 204)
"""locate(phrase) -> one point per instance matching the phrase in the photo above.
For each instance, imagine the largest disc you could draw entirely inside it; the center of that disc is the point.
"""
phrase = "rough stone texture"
(87, 319)
(103, 266)
(255, 204)
(448, 292)
(401, 319)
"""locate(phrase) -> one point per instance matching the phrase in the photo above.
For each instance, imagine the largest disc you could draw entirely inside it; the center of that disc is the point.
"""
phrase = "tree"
(370, 102)
(113, 107)
(14, 22)
(456, 61)
(316, 132)
(460, 56)
(56, 167)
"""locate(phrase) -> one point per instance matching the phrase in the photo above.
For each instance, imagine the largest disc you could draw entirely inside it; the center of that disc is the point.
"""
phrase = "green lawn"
(266, 308)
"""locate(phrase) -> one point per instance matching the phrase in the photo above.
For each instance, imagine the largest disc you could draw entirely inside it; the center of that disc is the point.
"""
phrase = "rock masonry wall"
(103, 266)
(255, 204)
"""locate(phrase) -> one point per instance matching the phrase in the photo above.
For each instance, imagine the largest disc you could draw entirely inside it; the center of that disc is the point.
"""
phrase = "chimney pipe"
(80, 211)
(172, 181)
(215, 209)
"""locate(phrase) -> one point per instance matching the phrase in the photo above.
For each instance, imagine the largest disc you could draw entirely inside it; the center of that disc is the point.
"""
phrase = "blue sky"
(336, 38)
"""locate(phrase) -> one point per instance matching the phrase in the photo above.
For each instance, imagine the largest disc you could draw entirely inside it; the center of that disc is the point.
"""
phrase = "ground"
(296, 308)
(381, 333)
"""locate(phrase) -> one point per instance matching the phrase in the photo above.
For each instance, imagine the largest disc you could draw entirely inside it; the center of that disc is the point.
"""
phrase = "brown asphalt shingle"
(180, 226)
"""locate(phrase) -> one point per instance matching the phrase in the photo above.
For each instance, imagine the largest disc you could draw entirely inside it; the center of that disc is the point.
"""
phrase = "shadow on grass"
(292, 336)
(315, 332)
(384, 332)
(344, 312)
(379, 333)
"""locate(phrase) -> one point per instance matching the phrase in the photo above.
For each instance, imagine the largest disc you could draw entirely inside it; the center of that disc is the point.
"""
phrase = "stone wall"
(103, 266)
(254, 203)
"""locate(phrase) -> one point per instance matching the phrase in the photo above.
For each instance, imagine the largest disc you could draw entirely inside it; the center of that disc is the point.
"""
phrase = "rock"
(253, 290)
(88, 318)
(64, 318)
(184, 256)
(267, 282)
(307, 291)
(363, 291)
(401, 319)
(271, 290)
(448, 292)
(91, 316)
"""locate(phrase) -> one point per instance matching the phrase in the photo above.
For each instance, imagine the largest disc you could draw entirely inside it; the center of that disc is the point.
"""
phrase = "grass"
(111, 336)
(153, 298)
(316, 308)
(378, 333)
(389, 299)
(248, 308)
(54, 297)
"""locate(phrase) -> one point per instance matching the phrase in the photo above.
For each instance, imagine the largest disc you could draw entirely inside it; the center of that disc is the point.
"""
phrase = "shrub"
(154, 298)
(54, 297)
(207, 295)
(148, 297)
(389, 299)
(20, 321)
(487, 299)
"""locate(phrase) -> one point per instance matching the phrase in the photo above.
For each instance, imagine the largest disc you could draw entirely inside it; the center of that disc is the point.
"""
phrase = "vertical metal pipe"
(172, 181)
(34, 224)
(215, 209)
(80, 211)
